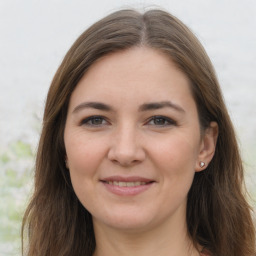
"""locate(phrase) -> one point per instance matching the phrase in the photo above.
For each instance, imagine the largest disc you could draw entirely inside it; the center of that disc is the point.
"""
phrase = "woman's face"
(133, 140)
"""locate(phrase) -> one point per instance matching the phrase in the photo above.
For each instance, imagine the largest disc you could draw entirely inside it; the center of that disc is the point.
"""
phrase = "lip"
(127, 190)
(127, 179)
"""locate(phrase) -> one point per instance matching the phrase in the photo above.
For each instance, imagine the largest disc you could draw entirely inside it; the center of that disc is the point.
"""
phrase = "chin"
(129, 221)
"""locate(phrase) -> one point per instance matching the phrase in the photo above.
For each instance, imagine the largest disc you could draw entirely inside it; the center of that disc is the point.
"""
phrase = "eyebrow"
(95, 105)
(143, 107)
(159, 105)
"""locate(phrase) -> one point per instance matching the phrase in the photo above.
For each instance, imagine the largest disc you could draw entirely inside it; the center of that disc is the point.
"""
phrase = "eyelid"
(85, 121)
(167, 121)
(170, 121)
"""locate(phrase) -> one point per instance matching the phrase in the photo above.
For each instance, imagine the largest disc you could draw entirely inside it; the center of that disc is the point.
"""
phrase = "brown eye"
(94, 121)
(161, 121)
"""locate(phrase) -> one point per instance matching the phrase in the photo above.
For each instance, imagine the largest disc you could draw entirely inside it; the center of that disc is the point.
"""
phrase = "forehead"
(137, 74)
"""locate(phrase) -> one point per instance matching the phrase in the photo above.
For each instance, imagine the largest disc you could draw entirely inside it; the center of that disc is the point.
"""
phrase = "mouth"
(127, 186)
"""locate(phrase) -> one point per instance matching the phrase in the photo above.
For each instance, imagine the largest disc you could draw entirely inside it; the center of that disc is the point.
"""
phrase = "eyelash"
(167, 121)
(89, 120)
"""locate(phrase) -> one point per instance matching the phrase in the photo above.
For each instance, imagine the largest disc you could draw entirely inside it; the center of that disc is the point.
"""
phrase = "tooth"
(122, 184)
(130, 184)
(126, 184)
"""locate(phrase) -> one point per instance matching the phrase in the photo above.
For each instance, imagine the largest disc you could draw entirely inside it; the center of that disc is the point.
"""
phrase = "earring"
(202, 164)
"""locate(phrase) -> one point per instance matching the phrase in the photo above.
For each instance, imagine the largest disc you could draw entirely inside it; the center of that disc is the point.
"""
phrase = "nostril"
(126, 157)
(125, 163)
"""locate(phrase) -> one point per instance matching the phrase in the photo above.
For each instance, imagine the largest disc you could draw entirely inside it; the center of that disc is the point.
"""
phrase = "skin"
(126, 140)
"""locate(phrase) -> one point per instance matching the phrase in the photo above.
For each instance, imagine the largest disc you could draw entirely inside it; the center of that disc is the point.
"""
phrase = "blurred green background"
(16, 179)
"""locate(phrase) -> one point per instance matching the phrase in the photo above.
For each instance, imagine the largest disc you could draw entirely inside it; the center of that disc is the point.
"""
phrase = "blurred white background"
(36, 34)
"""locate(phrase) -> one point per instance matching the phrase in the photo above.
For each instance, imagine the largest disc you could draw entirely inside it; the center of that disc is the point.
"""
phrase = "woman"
(137, 154)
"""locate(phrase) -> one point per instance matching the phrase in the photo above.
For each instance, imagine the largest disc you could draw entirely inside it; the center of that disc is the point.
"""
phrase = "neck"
(170, 239)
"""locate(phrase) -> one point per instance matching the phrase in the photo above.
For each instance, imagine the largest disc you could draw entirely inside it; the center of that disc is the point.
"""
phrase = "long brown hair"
(218, 216)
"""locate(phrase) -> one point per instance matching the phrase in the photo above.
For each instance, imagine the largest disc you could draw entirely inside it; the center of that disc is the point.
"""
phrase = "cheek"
(177, 150)
(84, 155)
(84, 160)
(176, 157)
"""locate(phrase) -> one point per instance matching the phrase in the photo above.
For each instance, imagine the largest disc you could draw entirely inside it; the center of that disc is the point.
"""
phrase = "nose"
(126, 147)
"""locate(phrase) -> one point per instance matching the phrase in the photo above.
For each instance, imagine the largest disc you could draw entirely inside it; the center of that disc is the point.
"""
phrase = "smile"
(126, 184)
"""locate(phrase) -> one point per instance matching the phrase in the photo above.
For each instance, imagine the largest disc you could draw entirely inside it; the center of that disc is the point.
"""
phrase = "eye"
(161, 121)
(94, 121)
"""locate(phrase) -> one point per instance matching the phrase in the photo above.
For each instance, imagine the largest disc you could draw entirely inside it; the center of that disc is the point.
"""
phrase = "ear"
(207, 147)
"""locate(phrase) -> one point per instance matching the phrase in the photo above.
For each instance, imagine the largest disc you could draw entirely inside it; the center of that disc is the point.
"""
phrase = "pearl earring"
(202, 164)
